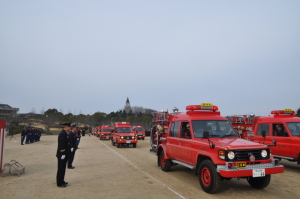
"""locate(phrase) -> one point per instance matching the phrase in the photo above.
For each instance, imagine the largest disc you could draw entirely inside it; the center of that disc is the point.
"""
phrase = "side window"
(263, 127)
(183, 129)
(174, 129)
(279, 130)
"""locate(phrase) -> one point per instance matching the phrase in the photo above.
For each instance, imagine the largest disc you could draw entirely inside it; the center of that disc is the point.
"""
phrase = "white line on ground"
(147, 174)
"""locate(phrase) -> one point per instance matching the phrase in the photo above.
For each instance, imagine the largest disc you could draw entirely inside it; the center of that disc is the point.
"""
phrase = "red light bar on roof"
(284, 111)
(203, 106)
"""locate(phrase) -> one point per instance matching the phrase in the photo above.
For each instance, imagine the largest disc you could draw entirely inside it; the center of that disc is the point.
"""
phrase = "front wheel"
(259, 182)
(165, 164)
(209, 178)
(134, 145)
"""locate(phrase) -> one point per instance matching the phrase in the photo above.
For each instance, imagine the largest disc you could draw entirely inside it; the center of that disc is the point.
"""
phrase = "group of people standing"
(68, 141)
(30, 135)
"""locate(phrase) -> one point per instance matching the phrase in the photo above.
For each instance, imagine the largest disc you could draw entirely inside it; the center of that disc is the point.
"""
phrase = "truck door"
(294, 130)
(258, 134)
(172, 141)
(283, 146)
(184, 143)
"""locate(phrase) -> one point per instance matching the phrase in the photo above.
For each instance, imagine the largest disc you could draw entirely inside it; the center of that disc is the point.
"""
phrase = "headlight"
(132, 137)
(230, 155)
(264, 153)
(122, 137)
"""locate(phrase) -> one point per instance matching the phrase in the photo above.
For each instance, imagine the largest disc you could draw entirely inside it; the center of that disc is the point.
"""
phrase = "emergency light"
(284, 111)
(203, 106)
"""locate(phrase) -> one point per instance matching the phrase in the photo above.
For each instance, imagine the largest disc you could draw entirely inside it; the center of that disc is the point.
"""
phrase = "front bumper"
(122, 141)
(105, 136)
(270, 168)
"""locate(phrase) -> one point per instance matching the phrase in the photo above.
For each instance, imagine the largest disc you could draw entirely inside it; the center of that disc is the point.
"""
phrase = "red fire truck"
(122, 135)
(202, 140)
(104, 132)
(282, 126)
(139, 132)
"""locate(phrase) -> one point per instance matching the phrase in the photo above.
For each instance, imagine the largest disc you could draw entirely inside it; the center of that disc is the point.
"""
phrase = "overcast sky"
(89, 56)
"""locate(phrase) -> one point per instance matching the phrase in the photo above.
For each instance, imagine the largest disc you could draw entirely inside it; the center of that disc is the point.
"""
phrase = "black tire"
(118, 144)
(259, 182)
(165, 164)
(134, 145)
(143, 138)
(209, 178)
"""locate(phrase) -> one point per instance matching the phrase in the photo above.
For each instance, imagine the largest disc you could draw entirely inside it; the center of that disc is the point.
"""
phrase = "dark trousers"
(22, 139)
(27, 139)
(61, 170)
(71, 158)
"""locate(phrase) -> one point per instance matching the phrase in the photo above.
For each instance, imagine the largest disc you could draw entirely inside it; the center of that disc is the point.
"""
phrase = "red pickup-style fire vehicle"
(122, 135)
(202, 140)
(139, 132)
(104, 132)
(282, 125)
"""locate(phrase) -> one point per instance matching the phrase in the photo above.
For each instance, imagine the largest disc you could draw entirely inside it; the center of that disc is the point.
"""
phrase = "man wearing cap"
(279, 131)
(62, 154)
(73, 146)
(187, 132)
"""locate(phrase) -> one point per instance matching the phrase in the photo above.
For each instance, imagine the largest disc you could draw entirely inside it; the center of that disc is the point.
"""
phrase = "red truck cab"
(282, 126)
(139, 132)
(203, 140)
(104, 132)
(122, 135)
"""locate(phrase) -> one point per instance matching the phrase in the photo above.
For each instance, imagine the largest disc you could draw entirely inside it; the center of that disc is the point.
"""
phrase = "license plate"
(258, 173)
(107, 137)
(240, 165)
(128, 141)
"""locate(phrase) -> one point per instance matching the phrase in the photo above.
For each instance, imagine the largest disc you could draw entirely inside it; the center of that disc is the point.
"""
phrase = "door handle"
(179, 143)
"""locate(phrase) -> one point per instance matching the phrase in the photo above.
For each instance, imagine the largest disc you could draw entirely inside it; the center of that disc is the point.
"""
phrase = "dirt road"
(105, 171)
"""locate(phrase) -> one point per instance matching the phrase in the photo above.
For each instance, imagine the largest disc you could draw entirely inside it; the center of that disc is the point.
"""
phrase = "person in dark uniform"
(187, 132)
(78, 136)
(31, 135)
(279, 131)
(27, 136)
(73, 146)
(23, 133)
(62, 154)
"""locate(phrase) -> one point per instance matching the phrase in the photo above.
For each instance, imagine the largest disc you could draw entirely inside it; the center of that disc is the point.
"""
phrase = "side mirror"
(205, 134)
(264, 133)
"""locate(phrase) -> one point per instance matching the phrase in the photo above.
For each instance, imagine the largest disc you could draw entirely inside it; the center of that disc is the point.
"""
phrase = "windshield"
(105, 130)
(124, 130)
(140, 129)
(216, 128)
(294, 128)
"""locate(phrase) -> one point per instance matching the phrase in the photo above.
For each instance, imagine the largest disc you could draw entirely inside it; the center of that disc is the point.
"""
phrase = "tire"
(259, 182)
(209, 178)
(143, 138)
(118, 144)
(165, 164)
(134, 145)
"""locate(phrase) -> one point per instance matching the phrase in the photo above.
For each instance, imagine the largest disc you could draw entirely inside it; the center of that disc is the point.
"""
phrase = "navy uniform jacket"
(63, 147)
(72, 138)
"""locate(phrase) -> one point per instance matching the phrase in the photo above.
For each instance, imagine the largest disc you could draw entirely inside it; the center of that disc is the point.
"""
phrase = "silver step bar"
(183, 164)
